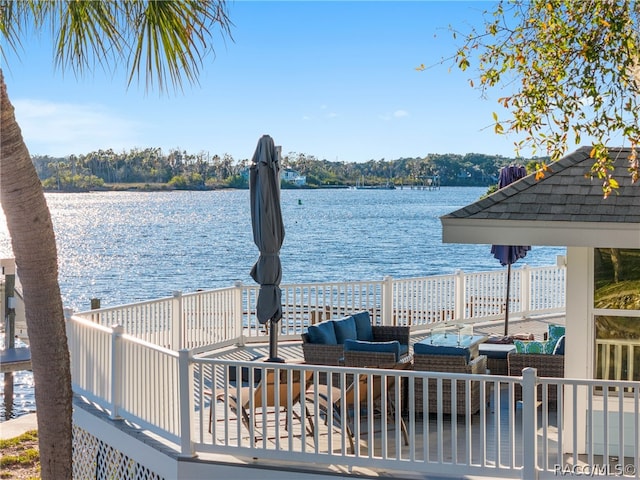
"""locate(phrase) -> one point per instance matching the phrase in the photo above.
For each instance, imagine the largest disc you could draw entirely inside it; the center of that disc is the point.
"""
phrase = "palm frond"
(166, 41)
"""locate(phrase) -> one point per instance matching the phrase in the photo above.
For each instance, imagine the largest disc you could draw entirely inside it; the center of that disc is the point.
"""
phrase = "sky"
(331, 79)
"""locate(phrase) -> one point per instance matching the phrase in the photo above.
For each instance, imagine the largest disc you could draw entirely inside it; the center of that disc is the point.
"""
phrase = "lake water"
(124, 247)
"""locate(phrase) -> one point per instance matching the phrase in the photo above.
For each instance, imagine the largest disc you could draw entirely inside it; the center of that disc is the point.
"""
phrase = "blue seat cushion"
(363, 346)
(430, 349)
(363, 326)
(323, 332)
(559, 348)
(345, 329)
(496, 350)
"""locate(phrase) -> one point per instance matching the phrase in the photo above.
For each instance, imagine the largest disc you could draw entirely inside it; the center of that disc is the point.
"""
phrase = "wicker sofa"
(373, 359)
(548, 364)
(323, 343)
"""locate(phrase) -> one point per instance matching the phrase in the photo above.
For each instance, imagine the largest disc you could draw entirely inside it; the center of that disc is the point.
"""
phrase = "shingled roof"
(565, 208)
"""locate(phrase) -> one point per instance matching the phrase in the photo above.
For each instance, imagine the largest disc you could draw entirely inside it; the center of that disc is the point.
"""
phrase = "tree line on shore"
(151, 169)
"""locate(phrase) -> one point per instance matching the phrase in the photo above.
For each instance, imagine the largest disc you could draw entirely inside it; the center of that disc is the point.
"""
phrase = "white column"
(580, 338)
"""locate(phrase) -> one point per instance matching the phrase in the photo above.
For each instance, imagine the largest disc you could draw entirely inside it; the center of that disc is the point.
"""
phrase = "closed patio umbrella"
(268, 235)
(509, 254)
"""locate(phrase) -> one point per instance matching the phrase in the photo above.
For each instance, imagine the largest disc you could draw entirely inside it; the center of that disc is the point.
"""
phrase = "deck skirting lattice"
(93, 458)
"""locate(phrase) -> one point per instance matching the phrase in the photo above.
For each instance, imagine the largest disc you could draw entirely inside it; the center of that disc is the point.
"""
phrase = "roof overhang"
(530, 232)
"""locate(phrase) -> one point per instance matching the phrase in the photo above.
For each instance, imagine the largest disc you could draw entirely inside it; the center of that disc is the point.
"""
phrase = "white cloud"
(60, 129)
(390, 116)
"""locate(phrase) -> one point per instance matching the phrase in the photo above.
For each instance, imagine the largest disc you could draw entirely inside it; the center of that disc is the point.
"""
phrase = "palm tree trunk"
(35, 252)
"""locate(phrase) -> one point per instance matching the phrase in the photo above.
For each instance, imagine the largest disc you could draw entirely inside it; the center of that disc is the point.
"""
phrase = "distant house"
(286, 174)
(292, 176)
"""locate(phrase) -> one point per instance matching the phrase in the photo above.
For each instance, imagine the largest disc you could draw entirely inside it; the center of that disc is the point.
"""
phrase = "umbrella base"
(273, 344)
(275, 360)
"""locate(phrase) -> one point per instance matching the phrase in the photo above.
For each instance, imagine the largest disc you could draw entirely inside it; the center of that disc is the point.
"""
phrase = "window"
(617, 318)
(617, 279)
(618, 348)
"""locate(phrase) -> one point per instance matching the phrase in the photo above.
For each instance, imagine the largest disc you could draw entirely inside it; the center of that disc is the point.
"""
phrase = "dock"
(15, 359)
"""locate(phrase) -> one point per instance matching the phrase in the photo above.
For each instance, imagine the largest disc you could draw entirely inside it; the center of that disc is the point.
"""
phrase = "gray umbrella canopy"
(268, 234)
(509, 254)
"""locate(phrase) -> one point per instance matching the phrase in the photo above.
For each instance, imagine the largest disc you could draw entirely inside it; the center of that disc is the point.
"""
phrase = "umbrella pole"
(506, 305)
(273, 343)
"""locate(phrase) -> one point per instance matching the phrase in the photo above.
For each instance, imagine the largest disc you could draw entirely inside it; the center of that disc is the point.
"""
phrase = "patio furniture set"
(353, 341)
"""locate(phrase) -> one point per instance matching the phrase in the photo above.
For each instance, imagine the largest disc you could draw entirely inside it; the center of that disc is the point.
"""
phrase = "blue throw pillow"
(323, 332)
(559, 349)
(363, 326)
(430, 349)
(362, 346)
(345, 329)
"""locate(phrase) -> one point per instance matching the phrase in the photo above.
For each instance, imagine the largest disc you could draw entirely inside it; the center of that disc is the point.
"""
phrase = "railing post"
(116, 371)
(525, 290)
(176, 321)
(237, 313)
(185, 379)
(387, 301)
(459, 305)
(68, 313)
(529, 424)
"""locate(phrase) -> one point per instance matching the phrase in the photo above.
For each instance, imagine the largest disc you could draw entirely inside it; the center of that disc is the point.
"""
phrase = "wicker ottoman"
(496, 354)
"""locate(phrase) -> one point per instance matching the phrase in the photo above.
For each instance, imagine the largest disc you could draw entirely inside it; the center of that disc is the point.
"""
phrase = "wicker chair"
(548, 365)
(323, 354)
(450, 364)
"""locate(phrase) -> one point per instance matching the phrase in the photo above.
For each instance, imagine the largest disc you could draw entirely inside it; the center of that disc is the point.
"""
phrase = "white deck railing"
(171, 395)
(125, 360)
(196, 321)
(617, 359)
